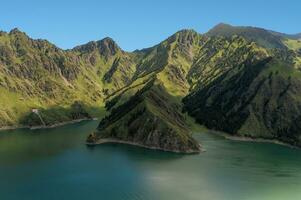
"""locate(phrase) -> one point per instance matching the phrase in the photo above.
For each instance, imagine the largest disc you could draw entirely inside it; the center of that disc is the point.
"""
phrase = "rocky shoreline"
(5, 128)
(112, 140)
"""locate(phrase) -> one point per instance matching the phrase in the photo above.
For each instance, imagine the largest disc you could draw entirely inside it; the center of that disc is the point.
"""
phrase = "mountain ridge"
(292, 36)
(65, 85)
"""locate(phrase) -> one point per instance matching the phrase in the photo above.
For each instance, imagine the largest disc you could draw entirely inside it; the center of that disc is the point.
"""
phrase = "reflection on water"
(56, 164)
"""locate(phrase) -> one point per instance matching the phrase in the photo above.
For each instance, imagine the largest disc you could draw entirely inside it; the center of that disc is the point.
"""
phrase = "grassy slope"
(279, 117)
(259, 100)
(261, 36)
(151, 117)
(91, 73)
(189, 53)
(292, 44)
(241, 92)
(36, 74)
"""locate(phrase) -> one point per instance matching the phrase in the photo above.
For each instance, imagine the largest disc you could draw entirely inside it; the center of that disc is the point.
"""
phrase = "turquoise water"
(56, 164)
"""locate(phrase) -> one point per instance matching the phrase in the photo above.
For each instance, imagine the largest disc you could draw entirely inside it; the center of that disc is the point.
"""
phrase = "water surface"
(56, 164)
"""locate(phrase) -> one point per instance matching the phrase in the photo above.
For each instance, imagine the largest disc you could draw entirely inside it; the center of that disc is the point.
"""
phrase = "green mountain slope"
(218, 56)
(289, 36)
(198, 61)
(34, 74)
(259, 99)
(150, 118)
(256, 96)
(242, 80)
(261, 36)
(171, 60)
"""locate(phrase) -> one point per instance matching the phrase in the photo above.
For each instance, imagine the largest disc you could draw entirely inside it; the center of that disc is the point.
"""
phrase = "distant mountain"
(261, 36)
(290, 36)
(241, 80)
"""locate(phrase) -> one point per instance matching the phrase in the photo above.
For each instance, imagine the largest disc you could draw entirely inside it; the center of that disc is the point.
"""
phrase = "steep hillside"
(198, 60)
(242, 80)
(252, 91)
(38, 75)
(259, 99)
(150, 118)
(219, 55)
(113, 66)
(35, 74)
(171, 60)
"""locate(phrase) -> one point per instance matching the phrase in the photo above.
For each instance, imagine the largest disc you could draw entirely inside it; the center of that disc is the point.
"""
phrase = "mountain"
(35, 74)
(261, 36)
(241, 80)
(289, 36)
(171, 60)
(262, 100)
(257, 98)
(149, 118)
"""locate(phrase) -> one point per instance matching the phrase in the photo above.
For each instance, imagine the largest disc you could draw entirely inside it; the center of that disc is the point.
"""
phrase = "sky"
(136, 24)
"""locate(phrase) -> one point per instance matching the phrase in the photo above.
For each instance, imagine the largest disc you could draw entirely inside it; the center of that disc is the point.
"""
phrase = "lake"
(56, 164)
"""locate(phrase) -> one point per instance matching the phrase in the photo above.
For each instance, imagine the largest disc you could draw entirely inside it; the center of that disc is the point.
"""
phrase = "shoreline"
(250, 139)
(111, 140)
(5, 128)
(115, 141)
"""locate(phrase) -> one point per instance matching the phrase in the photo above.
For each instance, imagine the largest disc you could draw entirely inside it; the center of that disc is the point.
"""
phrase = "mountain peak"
(186, 31)
(106, 47)
(184, 36)
(223, 29)
(108, 39)
(16, 31)
(221, 25)
(261, 36)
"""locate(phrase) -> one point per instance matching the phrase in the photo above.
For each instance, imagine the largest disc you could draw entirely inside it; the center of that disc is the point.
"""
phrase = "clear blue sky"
(135, 24)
